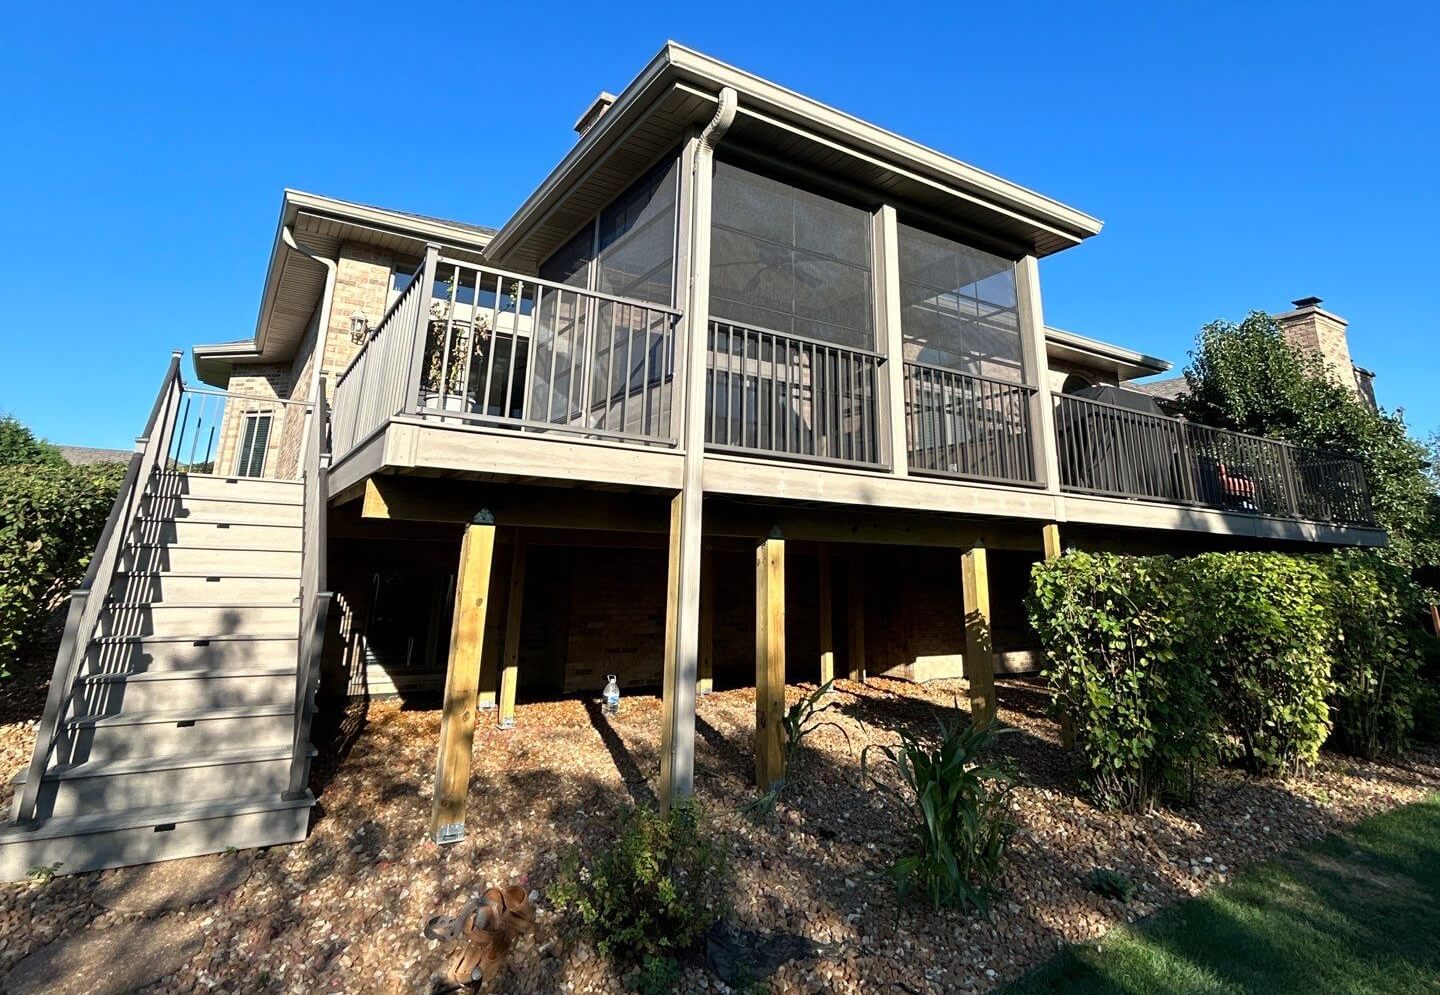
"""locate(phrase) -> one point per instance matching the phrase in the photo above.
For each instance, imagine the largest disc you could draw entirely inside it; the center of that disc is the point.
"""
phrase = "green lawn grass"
(1357, 913)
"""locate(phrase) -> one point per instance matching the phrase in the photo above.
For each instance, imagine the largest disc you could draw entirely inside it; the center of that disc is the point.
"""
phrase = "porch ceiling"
(678, 89)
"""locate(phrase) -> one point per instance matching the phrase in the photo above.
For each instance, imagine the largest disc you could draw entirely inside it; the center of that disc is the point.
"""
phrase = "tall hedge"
(1379, 650)
(50, 518)
(1263, 620)
(1166, 665)
(1118, 664)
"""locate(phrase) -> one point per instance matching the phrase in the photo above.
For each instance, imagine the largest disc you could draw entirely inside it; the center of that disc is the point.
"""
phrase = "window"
(254, 444)
(958, 306)
(787, 260)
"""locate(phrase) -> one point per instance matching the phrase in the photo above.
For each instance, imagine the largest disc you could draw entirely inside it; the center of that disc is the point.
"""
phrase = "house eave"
(359, 219)
(1127, 364)
(1044, 225)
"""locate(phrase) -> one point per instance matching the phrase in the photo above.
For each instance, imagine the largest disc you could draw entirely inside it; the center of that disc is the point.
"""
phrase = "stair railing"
(88, 600)
(314, 598)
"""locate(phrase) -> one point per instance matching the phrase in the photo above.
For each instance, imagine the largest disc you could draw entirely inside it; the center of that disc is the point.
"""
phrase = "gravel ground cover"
(342, 911)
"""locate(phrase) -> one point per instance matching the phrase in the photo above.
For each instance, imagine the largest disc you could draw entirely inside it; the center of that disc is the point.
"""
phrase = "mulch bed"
(342, 911)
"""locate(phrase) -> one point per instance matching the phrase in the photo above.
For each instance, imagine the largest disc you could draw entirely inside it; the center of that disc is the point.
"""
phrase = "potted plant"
(443, 379)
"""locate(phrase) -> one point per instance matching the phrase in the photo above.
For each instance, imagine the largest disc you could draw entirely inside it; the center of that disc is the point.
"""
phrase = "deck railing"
(88, 600)
(1109, 450)
(968, 426)
(469, 344)
(236, 434)
(792, 397)
(315, 598)
(375, 386)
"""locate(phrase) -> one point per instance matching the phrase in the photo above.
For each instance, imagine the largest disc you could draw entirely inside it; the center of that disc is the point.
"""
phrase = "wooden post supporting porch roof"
(769, 661)
(515, 604)
(462, 678)
(979, 653)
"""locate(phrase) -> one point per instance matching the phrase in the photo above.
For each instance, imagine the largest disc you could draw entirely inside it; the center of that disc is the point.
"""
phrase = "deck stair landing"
(178, 735)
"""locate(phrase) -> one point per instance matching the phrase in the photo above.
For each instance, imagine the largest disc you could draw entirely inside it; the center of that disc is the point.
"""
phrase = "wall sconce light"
(359, 326)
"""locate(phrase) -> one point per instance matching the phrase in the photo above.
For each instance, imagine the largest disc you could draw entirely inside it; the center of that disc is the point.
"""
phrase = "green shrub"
(1376, 610)
(50, 519)
(653, 891)
(961, 810)
(657, 976)
(1263, 621)
(1427, 712)
(1114, 633)
(19, 447)
(1112, 884)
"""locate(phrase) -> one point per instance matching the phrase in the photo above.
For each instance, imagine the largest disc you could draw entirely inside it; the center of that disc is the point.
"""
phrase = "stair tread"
(230, 479)
(161, 716)
(169, 761)
(199, 637)
(237, 498)
(291, 603)
(231, 522)
(190, 673)
(212, 546)
(76, 825)
(223, 575)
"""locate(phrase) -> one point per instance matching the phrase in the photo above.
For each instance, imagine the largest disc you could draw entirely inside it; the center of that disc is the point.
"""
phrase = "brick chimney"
(1315, 331)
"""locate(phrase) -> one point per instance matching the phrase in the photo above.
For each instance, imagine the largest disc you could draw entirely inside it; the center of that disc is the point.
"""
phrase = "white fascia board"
(1144, 364)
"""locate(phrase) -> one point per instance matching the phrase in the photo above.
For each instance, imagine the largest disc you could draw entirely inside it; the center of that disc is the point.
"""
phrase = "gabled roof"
(679, 89)
(294, 283)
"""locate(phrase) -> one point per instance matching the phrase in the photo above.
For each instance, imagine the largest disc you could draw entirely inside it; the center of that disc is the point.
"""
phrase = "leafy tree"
(19, 447)
(1248, 378)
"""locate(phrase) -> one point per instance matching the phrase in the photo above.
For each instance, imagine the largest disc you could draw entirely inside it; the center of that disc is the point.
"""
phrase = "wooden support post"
(855, 592)
(462, 676)
(682, 663)
(1052, 541)
(769, 662)
(827, 617)
(979, 654)
(1053, 551)
(706, 680)
(510, 675)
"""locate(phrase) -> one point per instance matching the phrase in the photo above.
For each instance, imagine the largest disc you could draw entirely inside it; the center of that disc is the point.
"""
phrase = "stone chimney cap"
(597, 107)
(1308, 302)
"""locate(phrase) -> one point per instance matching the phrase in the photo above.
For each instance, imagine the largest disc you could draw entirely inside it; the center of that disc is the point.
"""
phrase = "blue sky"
(1241, 155)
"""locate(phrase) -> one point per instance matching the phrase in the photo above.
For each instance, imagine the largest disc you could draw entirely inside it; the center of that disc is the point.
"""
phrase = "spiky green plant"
(960, 804)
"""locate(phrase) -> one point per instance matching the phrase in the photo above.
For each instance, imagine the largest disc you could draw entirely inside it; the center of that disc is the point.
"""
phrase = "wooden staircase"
(178, 719)
(179, 737)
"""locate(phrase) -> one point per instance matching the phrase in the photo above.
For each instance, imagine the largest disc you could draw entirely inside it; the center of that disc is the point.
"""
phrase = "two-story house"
(747, 391)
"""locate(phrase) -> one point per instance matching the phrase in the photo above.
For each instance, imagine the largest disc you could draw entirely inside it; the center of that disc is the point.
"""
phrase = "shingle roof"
(1169, 389)
(85, 455)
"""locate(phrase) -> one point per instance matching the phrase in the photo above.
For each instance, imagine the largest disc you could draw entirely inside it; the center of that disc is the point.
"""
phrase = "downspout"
(677, 760)
(322, 327)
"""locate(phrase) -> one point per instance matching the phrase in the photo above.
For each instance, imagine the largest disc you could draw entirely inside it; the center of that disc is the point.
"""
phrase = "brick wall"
(362, 282)
(258, 384)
